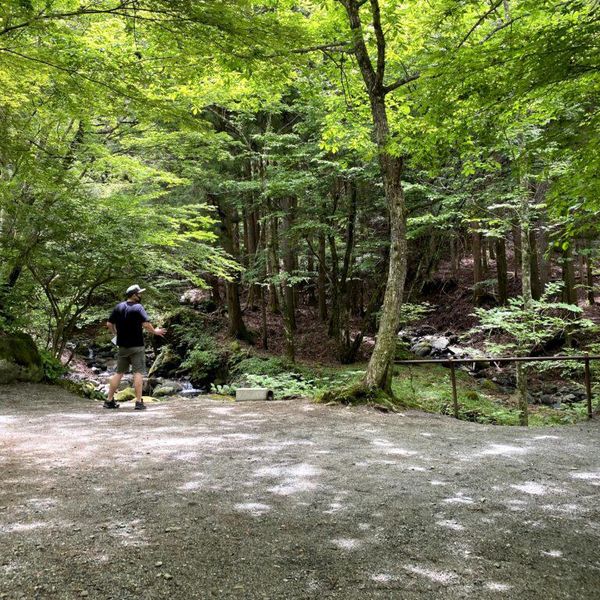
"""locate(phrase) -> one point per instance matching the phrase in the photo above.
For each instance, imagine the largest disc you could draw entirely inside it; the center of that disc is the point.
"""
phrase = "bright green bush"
(256, 365)
(530, 325)
(202, 364)
(284, 385)
(52, 367)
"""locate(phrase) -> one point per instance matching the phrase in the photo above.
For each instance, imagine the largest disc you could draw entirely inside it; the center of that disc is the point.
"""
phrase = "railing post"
(522, 387)
(588, 387)
(454, 395)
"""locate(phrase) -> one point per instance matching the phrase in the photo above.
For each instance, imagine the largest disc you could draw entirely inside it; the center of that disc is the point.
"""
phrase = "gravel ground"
(210, 499)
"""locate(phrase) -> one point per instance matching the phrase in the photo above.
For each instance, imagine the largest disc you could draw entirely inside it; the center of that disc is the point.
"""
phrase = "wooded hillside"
(333, 162)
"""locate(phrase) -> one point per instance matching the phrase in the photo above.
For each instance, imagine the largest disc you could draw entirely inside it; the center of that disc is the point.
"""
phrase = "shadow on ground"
(207, 499)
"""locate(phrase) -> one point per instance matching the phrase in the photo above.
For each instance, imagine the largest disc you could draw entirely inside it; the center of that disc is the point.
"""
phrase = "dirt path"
(208, 499)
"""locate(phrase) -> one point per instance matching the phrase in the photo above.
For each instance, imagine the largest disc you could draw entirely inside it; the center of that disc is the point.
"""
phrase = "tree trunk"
(590, 278)
(525, 248)
(536, 284)
(582, 276)
(273, 258)
(523, 392)
(333, 329)
(484, 258)
(215, 292)
(289, 263)
(568, 276)
(246, 243)
(544, 252)
(379, 369)
(454, 260)
(237, 328)
(516, 235)
(5, 290)
(311, 297)
(263, 318)
(347, 348)
(286, 288)
(322, 281)
(477, 263)
(502, 271)
(251, 237)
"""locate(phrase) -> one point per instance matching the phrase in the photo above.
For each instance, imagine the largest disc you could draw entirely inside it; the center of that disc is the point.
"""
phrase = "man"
(127, 321)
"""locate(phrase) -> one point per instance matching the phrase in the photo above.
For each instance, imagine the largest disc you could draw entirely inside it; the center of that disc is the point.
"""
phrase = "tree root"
(360, 394)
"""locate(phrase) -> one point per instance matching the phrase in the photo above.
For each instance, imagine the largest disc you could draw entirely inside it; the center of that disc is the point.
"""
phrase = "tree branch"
(380, 37)
(400, 82)
(76, 13)
(501, 27)
(331, 46)
(360, 47)
(479, 22)
(72, 72)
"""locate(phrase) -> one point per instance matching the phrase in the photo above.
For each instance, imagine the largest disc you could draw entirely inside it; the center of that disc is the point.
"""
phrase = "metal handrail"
(508, 359)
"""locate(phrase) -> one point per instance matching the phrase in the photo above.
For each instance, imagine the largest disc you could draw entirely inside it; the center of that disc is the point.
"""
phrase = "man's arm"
(154, 330)
(112, 327)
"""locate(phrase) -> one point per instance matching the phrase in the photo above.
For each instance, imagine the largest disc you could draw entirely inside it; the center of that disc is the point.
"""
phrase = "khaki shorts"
(134, 356)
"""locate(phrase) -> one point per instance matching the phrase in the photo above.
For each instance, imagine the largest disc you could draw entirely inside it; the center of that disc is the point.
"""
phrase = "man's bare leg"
(138, 383)
(115, 380)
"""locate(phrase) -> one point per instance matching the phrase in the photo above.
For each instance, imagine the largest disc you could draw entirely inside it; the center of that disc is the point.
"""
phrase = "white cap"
(134, 289)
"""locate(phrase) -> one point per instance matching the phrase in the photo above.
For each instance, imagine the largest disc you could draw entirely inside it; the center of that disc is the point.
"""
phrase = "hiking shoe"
(140, 406)
(111, 404)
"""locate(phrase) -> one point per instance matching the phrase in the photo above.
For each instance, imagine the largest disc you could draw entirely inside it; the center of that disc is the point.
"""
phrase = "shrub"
(202, 365)
(256, 365)
(529, 326)
(187, 330)
(284, 385)
(52, 367)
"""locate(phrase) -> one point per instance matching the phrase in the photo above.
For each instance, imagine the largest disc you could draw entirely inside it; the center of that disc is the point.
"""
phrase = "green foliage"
(428, 388)
(411, 312)
(256, 365)
(284, 385)
(190, 333)
(223, 390)
(203, 361)
(529, 325)
(357, 394)
(287, 380)
(52, 366)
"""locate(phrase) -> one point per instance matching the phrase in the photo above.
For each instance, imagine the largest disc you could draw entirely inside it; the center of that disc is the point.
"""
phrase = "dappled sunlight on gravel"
(290, 500)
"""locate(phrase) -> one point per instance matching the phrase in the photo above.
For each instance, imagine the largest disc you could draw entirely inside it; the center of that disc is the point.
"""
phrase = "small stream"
(98, 365)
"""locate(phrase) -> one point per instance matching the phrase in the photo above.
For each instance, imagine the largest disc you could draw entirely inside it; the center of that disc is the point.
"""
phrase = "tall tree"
(373, 71)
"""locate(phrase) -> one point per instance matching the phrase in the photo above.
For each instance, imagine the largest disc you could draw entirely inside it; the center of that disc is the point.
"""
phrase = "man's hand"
(154, 330)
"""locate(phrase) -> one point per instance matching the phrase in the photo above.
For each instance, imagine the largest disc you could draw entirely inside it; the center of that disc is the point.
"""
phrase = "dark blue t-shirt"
(128, 317)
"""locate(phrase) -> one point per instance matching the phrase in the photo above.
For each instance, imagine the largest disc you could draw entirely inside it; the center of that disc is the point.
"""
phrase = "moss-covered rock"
(403, 352)
(167, 363)
(125, 395)
(85, 389)
(19, 359)
(170, 388)
(149, 399)
(488, 384)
